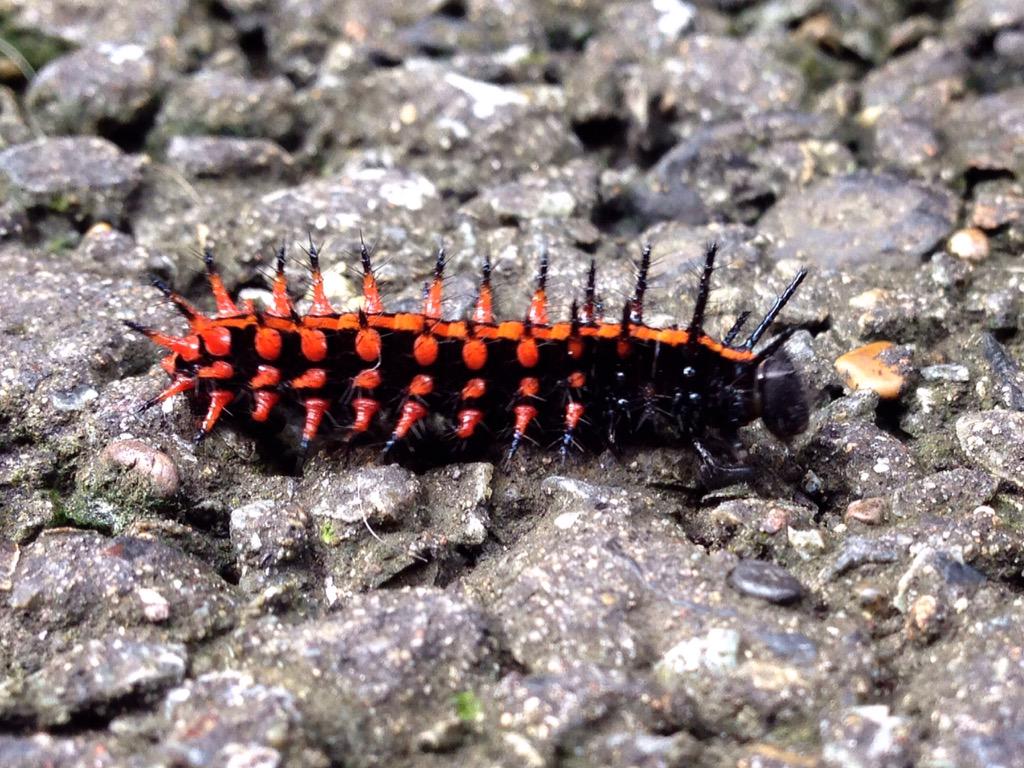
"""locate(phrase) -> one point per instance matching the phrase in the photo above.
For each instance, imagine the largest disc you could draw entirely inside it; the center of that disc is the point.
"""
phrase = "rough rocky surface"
(859, 603)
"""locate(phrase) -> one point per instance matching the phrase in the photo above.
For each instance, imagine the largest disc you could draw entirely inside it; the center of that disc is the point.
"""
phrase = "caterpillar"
(399, 378)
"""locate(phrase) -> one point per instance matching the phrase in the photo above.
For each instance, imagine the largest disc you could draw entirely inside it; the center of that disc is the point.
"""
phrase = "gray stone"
(765, 581)
(983, 16)
(371, 678)
(385, 525)
(942, 576)
(56, 364)
(265, 535)
(94, 678)
(13, 128)
(918, 85)
(542, 716)
(994, 440)
(711, 78)
(749, 526)
(202, 157)
(867, 737)
(60, 752)
(128, 480)
(75, 585)
(88, 22)
(949, 493)
(557, 193)
(906, 144)
(93, 89)
(974, 708)
(227, 718)
(636, 749)
(987, 133)
(858, 551)
(736, 169)
(307, 38)
(226, 104)
(446, 125)
(604, 579)
(997, 203)
(860, 218)
(376, 496)
(402, 207)
(858, 458)
(88, 178)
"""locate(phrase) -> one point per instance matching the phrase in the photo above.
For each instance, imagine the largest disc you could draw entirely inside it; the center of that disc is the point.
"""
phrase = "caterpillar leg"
(716, 473)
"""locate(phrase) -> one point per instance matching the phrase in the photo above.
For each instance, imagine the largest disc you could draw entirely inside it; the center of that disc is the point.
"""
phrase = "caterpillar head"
(780, 397)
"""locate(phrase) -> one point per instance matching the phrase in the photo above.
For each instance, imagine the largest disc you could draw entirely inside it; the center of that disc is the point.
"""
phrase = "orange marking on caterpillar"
(529, 386)
(225, 306)
(424, 349)
(187, 348)
(313, 344)
(216, 370)
(412, 412)
(524, 415)
(421, 385)
(179, 386)
(369, 378)
(268, 343)
(281, 306)
(263, 403)
(320, 307)
(527, 353)
(219, 400)
(474, 354)
(266, 376)
(573, 413)
(473, 389)
(432, 302)
(372, 303)
(468, 420)
(575, 348)
(314, 378)
(364, 408)
(538, 313)
(368, 345)
(217, 340)
(483, 311)
(316, 407)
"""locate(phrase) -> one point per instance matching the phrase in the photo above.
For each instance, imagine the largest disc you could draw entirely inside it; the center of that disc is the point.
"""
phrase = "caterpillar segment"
(402, 378)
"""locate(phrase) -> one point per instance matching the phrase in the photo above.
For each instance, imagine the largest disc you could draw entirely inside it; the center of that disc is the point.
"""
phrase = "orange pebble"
(867, 368)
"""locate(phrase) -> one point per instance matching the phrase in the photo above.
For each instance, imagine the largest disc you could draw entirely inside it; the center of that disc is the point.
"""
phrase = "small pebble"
(923, 618)
(10, 553)
(147, 462)
(946, 372)
(807, 543)
(154, 605)
(868, 511)
(766, 581)
(864, 368)
(970, 244)
(99, 229)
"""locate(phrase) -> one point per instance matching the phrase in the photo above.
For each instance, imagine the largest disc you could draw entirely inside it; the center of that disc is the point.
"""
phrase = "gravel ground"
(861, 603)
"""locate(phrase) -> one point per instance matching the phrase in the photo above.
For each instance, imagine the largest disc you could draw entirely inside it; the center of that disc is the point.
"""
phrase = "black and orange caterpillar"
(386, 375)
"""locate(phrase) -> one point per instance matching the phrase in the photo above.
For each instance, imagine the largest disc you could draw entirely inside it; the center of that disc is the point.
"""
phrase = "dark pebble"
(767, 581)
